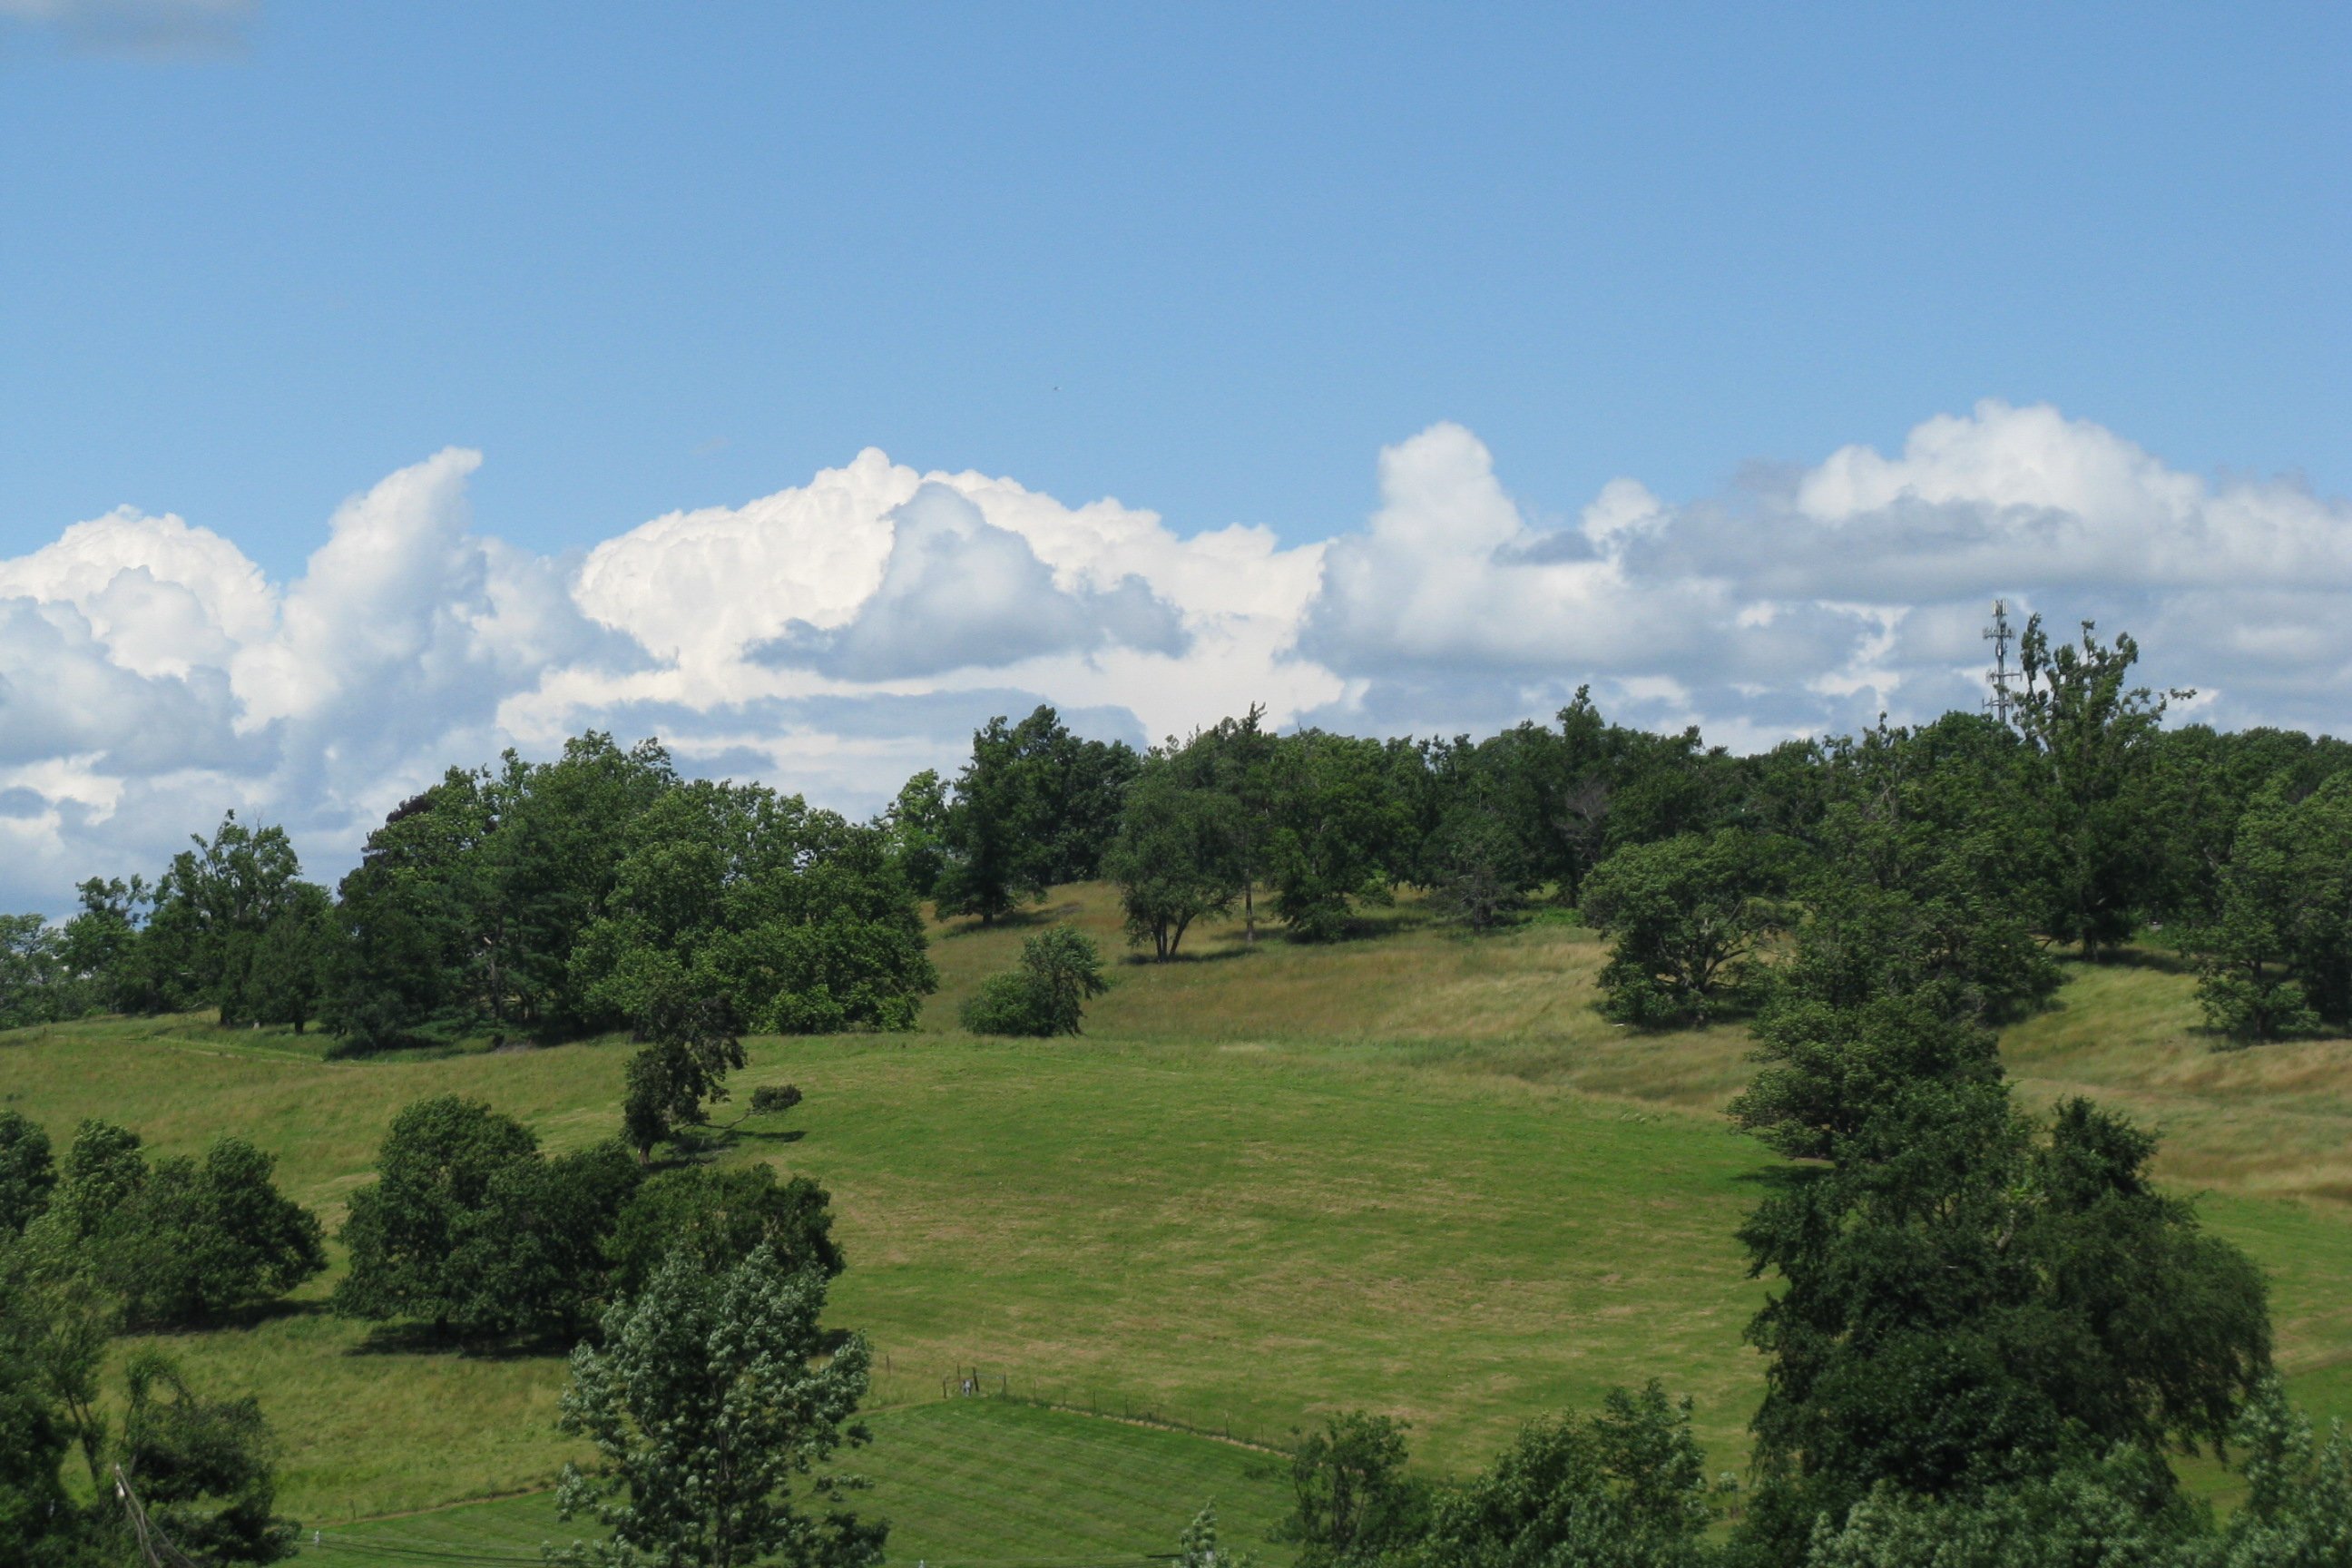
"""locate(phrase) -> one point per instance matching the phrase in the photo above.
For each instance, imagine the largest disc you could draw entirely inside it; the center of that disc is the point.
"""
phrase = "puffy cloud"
(836, 635)
(960, 593)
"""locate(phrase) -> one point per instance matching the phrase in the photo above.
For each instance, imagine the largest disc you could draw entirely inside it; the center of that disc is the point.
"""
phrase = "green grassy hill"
(1415, 1173)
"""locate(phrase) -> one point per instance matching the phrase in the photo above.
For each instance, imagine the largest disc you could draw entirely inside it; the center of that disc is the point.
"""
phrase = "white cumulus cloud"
(836, 635)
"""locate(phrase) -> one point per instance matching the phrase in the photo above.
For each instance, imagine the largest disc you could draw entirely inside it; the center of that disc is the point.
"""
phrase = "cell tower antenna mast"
(1999, 635)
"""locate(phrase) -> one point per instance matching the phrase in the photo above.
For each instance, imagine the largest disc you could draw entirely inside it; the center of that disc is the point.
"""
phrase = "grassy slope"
(1416, 1173)
(966, 1482)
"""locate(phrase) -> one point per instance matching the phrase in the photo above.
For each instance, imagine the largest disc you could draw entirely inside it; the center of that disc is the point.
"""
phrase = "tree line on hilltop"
(602, 891)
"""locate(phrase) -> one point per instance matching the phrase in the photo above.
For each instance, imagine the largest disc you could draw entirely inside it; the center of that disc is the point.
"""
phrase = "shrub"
(1046, 995)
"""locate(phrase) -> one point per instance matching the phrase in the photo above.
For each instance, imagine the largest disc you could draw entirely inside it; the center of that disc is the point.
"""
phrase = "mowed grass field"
(1414, 1173)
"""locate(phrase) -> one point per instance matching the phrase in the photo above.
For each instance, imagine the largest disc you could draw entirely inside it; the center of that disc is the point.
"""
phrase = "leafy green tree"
(916, 826)
(1475, 867)
(182, 1241)
(716, 1394)
(200, 1237)
(720, 1215)
(1235, 759)
(1352, 1500)
(1968, 1298)
(212, 907)
(1685, 915)
(1926, 874)
(2089, 741)
(469, 1228)
(399, 972)
(560, 834)
(798, 917)
(1175, 859)
(2298, 1506)
(40, 1526)
(102, 1172)
(1338, 831)
(101, 943)
(1035, 806)
(2246, 954)
(404, 1232)
(1826, 1070)
(27, 1171)
(691, 1044)
(1197, 1547)
(1625, 1488)
(204, 1470)
(998, 853)
(1060, 971)
(2119, 1511)
(533, 1261)
(36, 988)
(291, 958)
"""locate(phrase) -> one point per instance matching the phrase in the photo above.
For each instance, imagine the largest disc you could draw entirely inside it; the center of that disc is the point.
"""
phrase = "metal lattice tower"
(1999, 633)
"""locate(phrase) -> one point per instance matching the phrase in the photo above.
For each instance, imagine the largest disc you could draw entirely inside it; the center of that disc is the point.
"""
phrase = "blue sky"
(384, 386)
(1202, 259)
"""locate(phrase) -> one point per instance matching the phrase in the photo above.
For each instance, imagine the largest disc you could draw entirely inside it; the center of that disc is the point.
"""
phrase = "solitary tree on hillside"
(1175, 858)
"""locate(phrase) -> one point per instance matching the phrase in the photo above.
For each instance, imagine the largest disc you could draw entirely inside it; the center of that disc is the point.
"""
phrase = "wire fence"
(373, 1546)
(1022, 1388)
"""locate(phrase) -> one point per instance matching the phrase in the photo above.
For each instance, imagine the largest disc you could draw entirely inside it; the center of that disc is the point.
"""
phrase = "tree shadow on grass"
(1223, 953)
(252, 1316)
(1030, 917)
(424, 1339)
(2156, 959)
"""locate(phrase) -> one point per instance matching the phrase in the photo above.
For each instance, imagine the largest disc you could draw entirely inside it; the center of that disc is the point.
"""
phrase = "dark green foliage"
(211, 908)
(184, 1240)
(200, 1237)
(1340, 829)
(1685, 915)
(35, 986)
(774, 1098)
(288, 963)
(916, 828)
(534, 1261)
(27, 1171)
(717, 1402)
(2119, 1511)
(722, 1216)
(101, 945)
(590, 892)
(1475, 868)
(690, 1046)
(799, 917)
(1625, 1488)
(1925, 867)
(1968, 1297)
(1060, 970)
(39, 1527)
(2275, 955)
(1351, 1501)
(469, 1228)
(1177, 857)
(1826, 1070)
(2089, 743)
(1035, 806)
(202, 1469)
(432, 1196)
(2298, 1508)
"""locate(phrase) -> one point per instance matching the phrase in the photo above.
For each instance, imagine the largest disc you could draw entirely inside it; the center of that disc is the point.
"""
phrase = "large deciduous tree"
(1176, 856)
(1685, 915)
(717, 1404)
